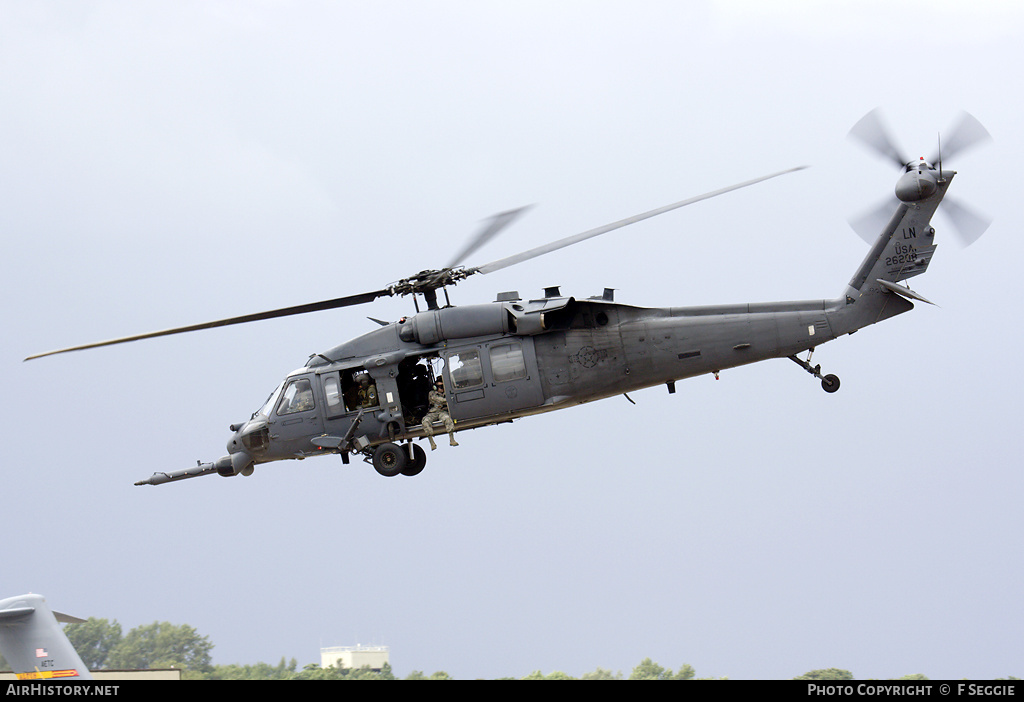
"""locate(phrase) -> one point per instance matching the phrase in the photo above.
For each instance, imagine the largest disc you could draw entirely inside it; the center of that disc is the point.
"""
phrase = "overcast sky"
(167, 163)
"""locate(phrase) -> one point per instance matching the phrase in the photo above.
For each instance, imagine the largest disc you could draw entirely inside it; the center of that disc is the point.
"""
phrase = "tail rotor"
(968, 133)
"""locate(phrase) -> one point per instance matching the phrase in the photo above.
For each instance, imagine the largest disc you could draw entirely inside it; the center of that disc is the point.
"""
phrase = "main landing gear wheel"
(390, 459)
(415, 464)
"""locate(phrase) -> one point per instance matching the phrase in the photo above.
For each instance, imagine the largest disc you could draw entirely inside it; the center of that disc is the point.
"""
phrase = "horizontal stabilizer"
(14, 614)
(68, 619)
(902, 291)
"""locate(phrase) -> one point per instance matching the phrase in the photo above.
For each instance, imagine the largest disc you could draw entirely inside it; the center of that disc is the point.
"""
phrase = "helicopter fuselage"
(570, 352)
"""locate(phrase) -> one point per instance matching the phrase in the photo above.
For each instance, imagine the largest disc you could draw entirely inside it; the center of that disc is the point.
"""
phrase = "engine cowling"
(433, 326)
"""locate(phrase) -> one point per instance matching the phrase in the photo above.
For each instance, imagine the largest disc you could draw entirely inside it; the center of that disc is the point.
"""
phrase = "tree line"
(102, 645)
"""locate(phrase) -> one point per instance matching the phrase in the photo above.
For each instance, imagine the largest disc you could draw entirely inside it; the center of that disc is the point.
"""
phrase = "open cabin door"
(492, 378)
(353, 396)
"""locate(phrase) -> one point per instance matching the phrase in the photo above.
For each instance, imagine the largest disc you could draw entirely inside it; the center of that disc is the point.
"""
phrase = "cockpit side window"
(297, 397)
(268, 406)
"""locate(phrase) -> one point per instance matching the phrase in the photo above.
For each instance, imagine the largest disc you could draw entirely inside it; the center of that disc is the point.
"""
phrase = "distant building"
(373, 657)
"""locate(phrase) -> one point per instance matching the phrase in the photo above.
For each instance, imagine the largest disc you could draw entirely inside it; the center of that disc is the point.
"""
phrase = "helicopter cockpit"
(297, 397)
(288, 398)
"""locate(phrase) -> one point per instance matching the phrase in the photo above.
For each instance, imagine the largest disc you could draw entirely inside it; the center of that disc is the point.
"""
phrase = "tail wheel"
(829, 383)
(389, 459)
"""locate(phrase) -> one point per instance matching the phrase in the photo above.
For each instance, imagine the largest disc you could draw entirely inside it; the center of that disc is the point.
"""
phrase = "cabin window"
(465, 369)
(507, 362)
(297, 397)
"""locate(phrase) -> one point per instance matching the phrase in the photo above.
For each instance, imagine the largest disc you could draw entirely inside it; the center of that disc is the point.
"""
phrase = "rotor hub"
(916, 184)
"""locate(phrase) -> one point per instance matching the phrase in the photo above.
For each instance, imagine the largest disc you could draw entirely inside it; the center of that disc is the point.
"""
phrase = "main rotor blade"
(272, 314)
(575, 239)
(491, 229)
(872, 132)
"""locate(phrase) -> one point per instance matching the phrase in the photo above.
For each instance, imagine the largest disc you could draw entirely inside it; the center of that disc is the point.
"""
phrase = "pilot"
(438, 411)
(367, 393)
(303, 399)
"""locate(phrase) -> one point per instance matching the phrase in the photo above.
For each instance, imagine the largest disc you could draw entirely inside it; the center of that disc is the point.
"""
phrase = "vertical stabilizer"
(903, 249)
(33, 642)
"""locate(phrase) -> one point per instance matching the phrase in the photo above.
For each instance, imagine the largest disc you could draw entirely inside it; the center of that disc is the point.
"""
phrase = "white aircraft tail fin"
(33, 642)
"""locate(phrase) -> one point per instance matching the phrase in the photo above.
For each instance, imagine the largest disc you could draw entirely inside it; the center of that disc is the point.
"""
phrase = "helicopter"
(496, 362)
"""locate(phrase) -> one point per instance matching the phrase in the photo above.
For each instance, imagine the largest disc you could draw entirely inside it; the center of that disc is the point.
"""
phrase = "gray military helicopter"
(514, 358)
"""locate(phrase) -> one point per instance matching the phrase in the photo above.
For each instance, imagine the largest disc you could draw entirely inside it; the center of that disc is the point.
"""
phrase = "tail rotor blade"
(869, 225)
(967, 133)
(969, 225)
(871, 132)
